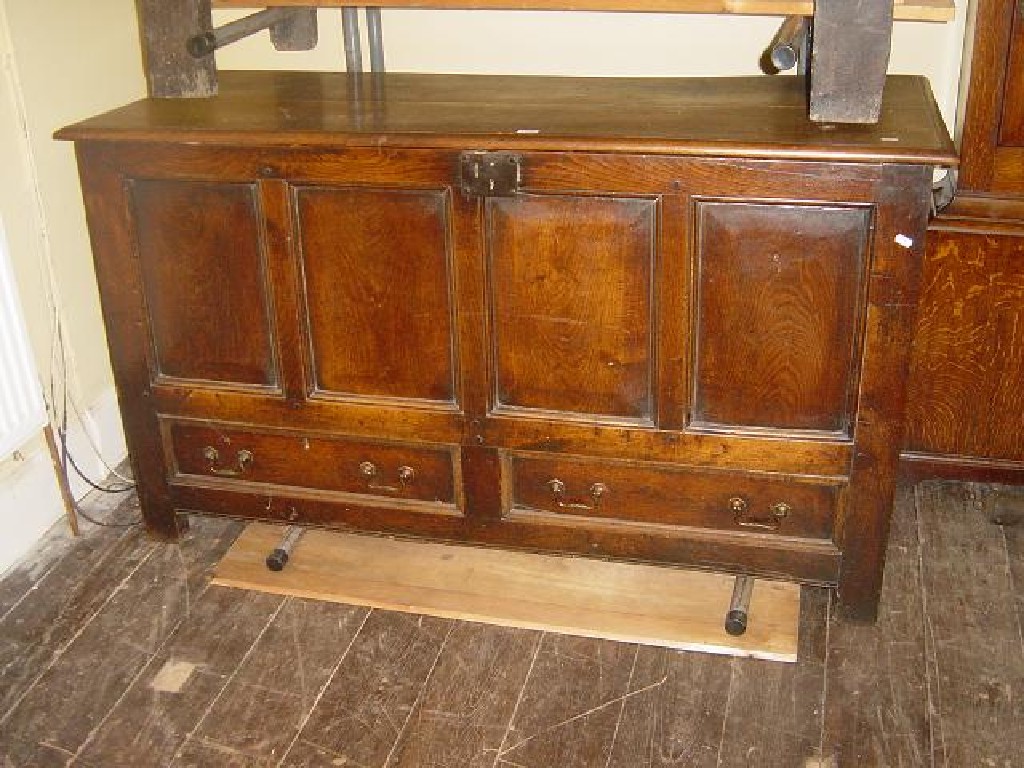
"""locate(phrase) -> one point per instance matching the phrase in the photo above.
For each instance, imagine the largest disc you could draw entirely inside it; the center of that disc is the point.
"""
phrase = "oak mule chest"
(653, 320)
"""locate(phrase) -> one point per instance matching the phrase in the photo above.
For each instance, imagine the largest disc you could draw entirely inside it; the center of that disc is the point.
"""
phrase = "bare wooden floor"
(115, 651)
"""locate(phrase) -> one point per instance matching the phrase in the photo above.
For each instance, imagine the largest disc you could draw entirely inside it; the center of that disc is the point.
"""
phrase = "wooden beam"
(908, 10)
(164, 26)
(297, 33)
(849, 58)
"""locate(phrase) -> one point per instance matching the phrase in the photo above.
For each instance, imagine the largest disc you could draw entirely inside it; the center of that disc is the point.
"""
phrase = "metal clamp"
(597, 490)
(406, 475)
(776, 513)
(243, 460)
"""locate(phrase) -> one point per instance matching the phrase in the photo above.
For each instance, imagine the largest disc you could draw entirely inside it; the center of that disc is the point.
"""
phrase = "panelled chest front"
(613, 318)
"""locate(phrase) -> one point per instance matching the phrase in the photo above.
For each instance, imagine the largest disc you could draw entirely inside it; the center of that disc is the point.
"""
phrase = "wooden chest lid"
(751, 117)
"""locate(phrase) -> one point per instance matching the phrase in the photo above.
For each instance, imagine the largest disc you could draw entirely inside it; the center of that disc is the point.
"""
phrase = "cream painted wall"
(61, 61)
(593, 44)
(71, 60)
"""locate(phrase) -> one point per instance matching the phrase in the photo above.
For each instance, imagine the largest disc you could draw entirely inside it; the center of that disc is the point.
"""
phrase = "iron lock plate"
(490, 174)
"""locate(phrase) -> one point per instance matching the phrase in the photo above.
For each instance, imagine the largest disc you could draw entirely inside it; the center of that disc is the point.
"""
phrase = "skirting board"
(618, 601)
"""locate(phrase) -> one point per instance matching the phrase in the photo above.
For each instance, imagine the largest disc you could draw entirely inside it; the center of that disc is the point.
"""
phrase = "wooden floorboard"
(774, 714)
(877, 692)
(116, 651)
(973, 627)
(368, 703)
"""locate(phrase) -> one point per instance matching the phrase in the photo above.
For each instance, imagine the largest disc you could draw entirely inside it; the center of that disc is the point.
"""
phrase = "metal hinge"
(490, 174)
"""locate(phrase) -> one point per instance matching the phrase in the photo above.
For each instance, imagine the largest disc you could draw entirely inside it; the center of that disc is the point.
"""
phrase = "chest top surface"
(751, 117)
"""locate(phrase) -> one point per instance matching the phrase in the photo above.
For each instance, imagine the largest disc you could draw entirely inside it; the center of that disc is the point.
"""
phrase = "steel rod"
(278, 559)
(350, 30)
(739, 606)
(785, 49)
(375, 39)
(205, 44)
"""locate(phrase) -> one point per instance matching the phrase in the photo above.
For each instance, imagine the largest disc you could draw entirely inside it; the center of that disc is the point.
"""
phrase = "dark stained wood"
(849, 59)
(215, 280)
(167, 701)
(932, 683)
(966, 385)
(569, 707)
(562, 313)
(647, 494)
(366, 706)
(893, 285)
(164, 26)
(403, 322)
(313, 462)
(35, 634)
(985, 86)
(378, 283)
(774, 712)
(462, 715)
(709, 117)
(280, 680)
(974, 630)
(675, 712)
(296, 33)
(879, 679)
(780, 296)
(106, 204)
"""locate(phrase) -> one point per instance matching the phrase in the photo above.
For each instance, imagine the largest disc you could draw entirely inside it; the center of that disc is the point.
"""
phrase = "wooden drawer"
(221, 454)
(590, 491)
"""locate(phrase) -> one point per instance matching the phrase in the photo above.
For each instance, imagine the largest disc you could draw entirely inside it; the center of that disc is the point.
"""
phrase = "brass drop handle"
(776, 513)
(369, 470)
(597, 490)
(243, 460)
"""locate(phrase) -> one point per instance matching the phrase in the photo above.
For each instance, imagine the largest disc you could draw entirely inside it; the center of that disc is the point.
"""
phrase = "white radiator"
(22, 413)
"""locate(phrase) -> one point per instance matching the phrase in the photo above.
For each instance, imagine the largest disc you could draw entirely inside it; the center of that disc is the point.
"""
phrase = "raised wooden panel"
(1011, 124)
(204, 273)
(571, 304)
(778, 288)
(378, 280)
(966, 389)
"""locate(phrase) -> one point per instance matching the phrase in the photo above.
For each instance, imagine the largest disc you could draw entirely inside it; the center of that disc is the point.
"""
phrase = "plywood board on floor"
(618, 601)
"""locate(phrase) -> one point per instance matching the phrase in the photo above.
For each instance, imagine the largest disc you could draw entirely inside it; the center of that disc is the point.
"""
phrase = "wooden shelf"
(903, 10)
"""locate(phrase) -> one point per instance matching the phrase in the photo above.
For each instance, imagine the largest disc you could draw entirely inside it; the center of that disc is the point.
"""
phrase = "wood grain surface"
(720, 117)
(218, 282)
(378, 279)
(563, 314)
(966, 388)
(918, 10)
(661, 606)
(780, 292)
(936, 682)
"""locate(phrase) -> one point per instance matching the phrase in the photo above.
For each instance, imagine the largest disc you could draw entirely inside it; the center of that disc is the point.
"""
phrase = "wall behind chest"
(593, 44)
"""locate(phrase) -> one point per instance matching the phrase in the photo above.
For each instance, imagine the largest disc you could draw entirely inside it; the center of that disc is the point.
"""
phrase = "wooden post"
(849, 58)
(297, 33)
(164, 26)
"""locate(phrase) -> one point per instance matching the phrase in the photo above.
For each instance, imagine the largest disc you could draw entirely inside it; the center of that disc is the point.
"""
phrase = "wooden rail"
(849, 53)
(903, 10)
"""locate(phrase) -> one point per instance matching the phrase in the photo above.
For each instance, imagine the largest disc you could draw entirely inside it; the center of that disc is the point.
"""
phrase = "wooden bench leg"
(849, 58)
(164, 26)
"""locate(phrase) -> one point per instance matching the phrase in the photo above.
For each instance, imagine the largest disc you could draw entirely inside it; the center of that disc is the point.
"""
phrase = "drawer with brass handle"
(539, 485)
(220, 453)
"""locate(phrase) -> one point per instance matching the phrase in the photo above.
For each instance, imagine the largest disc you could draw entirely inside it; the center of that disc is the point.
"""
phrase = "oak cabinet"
(965, 418)
(659, 336)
